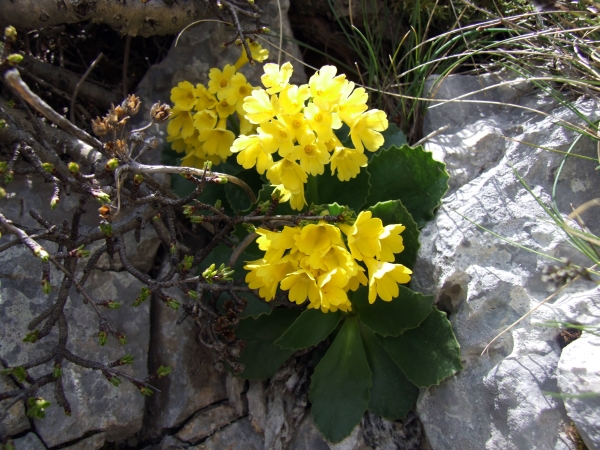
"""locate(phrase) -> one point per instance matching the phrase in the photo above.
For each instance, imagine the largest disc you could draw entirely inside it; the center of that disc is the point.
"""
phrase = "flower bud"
(10, 33)
(14, 59)
(48, 167)
(73, 167)
(111, 164)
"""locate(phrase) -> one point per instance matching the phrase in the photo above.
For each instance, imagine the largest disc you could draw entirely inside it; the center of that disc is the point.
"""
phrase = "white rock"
(579, 382)
(499, 400)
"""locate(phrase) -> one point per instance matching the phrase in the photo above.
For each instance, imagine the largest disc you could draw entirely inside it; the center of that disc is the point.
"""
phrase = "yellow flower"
(205, 100)
(296, 198)
(252, 153)
(318, 238)
(258, 53)
(181, 124)
(333, 293)
(323, 122)
(292, 98)
(312, 154)
(326, 88)
(260, 107)
(282, 137)
(217, 141)
(353, 102)
(365, 130)
(347, 162)
(276, 78)
(246, 127)
(363, 236)
(391, 242)
(224, 109)
(288, 173)
(204, 120)
(220, 81)
(302, 285)
(384, 278)
(275, 243)
(239, 89)
(297, 124)
(266, 277)
(183, 97)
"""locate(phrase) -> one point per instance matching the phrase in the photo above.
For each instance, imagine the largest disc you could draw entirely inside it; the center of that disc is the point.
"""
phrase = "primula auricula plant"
(379, 341)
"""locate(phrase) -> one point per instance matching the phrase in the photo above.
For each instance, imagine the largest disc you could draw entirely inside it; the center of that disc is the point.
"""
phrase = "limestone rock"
(94, 442)
(15, 421)
(579, 382)
(238, 436)
(29, 442)
(499, 400)
(95, 403)
(206, 422)
(193, 384)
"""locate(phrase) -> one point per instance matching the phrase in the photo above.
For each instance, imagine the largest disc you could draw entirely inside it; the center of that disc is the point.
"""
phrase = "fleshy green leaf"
(261, 357)
(236, 196)
(309, 329)
(410, 175)
(393, 212)
(392, 394)
(339, 390)
(394, 137)
(427, 354)
(406, 311)
(329, 189)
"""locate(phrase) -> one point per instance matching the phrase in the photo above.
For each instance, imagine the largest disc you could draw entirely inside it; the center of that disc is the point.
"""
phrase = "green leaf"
(410, 175)
(329, 189)
(236, 196)
(427, 354)
(393, 212)
(394, 137)
(339, 390)
(392, 394)
(255, 307)
(261, 357)
(406, 311)
(309, 329)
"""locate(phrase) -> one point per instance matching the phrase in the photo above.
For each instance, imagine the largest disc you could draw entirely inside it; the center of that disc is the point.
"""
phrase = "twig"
(13, 78)
(79, 84)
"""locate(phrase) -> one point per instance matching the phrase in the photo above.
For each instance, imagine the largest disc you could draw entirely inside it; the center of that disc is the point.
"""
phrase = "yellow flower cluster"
(297, 123)
(313, 262)
(198, 124)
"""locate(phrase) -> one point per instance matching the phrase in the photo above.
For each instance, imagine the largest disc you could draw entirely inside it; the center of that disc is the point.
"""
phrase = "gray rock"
(193, 384)
(16, 420)
(579, 383)
(95, 403)
(94, 442)
(499, 401)
(238, 436)
(29, 442)
(206, 422)
(199, 49)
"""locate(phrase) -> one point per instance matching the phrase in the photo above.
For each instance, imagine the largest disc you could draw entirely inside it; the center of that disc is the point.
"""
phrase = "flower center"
(223, 83)
(309, 149)
(318, 118)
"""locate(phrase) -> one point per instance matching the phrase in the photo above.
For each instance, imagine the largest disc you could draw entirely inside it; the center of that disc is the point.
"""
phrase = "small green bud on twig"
(138, 178)
(112, 304)
(196, 219)
(14, 59)
(31, 337)
(111, 164)
(102, 197)
(163, 371)
(122, 339)
(9, 177)
(106, 229)
(73, 167)
(54, 201)
(208, 165)
(48, 167)
(10, 33)
(2, 193)
(3, 123)
(37, 407)
(173, 304)
(146, 391)
(102, 337)
(42, 254)
(142, 297)
(46, 287)
(116, 382)
(57, 371)
(127, 359)
(18, 372)
(192, 294)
